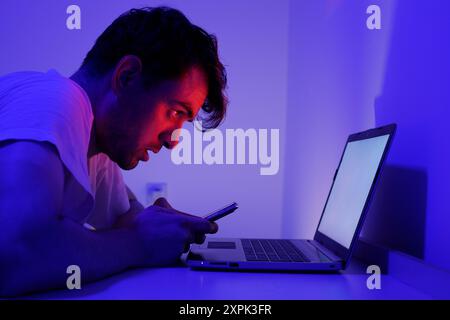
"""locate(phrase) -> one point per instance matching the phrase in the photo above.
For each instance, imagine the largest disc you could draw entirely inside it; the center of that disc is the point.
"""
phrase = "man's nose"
(172, 139)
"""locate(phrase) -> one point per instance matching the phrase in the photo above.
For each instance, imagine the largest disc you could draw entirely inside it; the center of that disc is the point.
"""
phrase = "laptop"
(338, 229)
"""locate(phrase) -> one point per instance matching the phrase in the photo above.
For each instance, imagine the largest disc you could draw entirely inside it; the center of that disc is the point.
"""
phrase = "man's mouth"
(144, 157)
(156, 150)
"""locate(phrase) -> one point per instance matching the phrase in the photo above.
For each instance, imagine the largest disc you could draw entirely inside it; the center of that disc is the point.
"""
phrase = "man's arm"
(36, 243)
(127, 218)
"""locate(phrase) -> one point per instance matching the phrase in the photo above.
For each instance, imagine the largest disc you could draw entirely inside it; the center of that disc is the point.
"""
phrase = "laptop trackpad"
(221, 245)
(219, 249)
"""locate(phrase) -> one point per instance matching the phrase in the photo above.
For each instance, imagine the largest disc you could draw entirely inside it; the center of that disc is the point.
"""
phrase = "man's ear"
(127, 72)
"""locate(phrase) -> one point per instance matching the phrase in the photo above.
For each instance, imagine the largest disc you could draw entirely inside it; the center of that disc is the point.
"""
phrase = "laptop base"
(229, 254)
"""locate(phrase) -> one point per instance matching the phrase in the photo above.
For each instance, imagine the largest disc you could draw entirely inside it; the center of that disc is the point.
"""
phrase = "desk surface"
(185, 284)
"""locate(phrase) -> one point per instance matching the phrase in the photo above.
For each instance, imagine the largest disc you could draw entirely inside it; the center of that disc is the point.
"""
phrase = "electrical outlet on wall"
(155, 190)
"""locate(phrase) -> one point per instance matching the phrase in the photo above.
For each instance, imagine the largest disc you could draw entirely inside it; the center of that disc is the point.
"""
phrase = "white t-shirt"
(49, 107)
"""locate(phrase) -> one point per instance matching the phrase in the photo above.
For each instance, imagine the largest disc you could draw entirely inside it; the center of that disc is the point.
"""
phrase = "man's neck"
(94, 90)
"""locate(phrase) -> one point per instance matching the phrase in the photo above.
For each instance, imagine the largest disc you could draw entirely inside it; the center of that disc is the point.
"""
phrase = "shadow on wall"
(410, 212)
(397, 216)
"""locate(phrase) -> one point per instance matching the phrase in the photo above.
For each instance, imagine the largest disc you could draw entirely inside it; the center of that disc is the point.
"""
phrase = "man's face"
(141, 119)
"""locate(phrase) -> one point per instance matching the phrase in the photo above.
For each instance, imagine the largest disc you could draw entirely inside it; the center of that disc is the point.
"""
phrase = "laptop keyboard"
(273, 250)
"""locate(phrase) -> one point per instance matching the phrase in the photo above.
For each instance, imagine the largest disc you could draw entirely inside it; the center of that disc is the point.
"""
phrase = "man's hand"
(166, 233)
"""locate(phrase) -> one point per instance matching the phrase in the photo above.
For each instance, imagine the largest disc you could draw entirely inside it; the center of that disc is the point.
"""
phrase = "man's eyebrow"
(188, 109)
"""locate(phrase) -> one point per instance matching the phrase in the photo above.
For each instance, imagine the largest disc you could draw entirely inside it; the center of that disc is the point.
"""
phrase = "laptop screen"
(351, 188)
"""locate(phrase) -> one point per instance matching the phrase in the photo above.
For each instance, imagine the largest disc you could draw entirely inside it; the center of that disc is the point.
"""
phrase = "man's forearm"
(40, 260)
(126, 219)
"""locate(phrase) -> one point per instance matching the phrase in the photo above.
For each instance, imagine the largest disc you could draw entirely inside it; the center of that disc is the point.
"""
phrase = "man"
(62, 197)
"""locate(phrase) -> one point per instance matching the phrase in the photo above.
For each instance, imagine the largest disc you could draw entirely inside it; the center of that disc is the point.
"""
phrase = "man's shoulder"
(30, 165)
(33, 179)
(45, 107)
(28, 152)
(29, 80)
(48, 107)
(42, 88)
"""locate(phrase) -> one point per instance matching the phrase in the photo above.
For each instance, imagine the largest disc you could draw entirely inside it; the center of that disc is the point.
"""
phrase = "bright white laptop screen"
(351, 188)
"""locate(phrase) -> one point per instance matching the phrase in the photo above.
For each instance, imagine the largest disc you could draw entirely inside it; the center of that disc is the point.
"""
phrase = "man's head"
(158, 71)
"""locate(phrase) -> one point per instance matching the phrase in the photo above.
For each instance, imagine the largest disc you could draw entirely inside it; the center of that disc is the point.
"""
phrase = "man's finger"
(200, 238)
(189, 240)
(211, 228)
(163, 203)
(200, 225)
(178, 211)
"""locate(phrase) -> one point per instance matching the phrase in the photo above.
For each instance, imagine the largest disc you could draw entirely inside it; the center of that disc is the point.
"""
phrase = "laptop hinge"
(325, 251)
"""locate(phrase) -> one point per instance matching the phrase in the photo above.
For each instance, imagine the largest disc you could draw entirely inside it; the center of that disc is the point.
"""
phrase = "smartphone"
(216, 215)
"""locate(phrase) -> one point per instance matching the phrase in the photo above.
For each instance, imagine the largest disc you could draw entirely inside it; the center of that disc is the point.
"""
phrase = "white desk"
(186, 284)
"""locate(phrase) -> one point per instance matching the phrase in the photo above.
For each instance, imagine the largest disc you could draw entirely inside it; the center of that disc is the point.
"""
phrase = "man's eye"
(178, 113)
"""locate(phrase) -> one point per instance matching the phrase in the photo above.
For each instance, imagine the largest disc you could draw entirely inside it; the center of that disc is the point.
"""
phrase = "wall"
(344, 78)
(416, 95)
(335, 73)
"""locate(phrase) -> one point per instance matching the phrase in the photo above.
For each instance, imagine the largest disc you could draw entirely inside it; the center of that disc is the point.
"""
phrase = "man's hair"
(168, 45)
